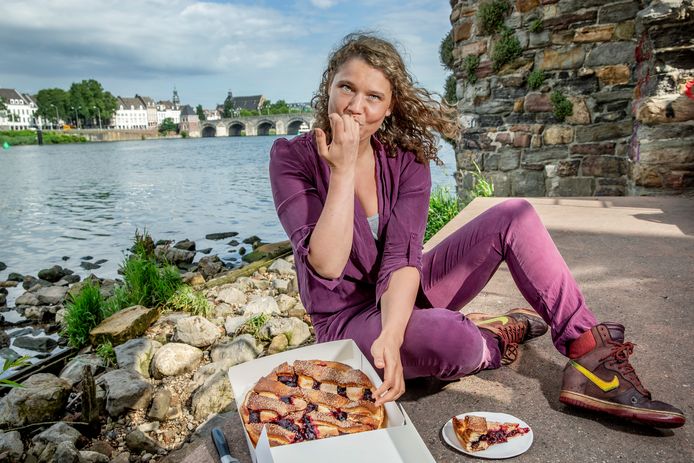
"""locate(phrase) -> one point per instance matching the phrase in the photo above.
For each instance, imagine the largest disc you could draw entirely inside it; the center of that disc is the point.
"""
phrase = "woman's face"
(363, 92)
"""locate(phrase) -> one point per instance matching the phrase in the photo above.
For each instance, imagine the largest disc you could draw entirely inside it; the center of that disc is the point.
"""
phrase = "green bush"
(561, 106)
(535, 26)
(29, 137)
(506, 49)
(54, 138)
(450, 95)
(536, 79)
(107, 354)
(483, 188)
(470, 65)
(443, 206)
(446, 52)
(82, 313)
(144, 244)
(185, 299)
(490, 16)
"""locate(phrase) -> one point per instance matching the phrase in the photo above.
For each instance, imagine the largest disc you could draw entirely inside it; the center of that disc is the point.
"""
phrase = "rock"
(9, 354)
(213, 396)
(27, 299)
(667, 108)
(297, 331)
(614, 75)
(42, 398)
(59, 432)
(87, 456)
(89, 265)
(537, 102)
(261, 305)
(3, 266)
(66, 452)
(193, 278)
(616, 12)
(123, 325)
(4, 339)
(278, 344)
(595, 33)
(268, 251)
(282, 267)
(101, 447)
(125, 390)
(160, 405)
(175, 359)
(224, 310)
(210, 266)
(220, 236)
(73, 370)
(137, 441)
(186, 245)
(11, 445)
(603, 166)
(136, 355)
(611, 53)
(558, 135)
(281, 286)
(3, 299)
(175, 256)
(232, 324)
(39, 313)
(209, 370)
(243, 284)
(14, 276)
(564, 58)
(604, 131)
(298, 311)
(581, 113)
(285, 302)
(8, 284)
(196, 331)
(38, 344)
(232, 295)
(122, 458)
(241, 349)
(52, 274)
(51, 295)
(261, 284)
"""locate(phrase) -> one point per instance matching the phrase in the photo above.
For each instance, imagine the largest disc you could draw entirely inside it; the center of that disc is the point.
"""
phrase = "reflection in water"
(72, 200)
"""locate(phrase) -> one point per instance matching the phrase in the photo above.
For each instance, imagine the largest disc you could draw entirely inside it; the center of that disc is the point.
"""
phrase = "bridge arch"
(209, 131)
(236, 129)
(294, 125)
(264, 126)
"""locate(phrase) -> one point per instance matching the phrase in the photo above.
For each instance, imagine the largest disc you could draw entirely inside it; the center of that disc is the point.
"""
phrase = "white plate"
(512, 448)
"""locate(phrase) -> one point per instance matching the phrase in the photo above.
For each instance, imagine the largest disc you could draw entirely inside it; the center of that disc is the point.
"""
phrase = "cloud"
(324, 3)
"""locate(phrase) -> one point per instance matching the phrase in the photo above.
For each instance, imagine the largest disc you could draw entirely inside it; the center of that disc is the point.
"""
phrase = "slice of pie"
(475, 433)
(311, 399)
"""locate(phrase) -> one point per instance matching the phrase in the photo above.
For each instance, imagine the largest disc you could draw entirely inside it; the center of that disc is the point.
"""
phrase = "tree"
(201, 112)
(53, 104)
(88, 94)
(167, 125)
(228, 106)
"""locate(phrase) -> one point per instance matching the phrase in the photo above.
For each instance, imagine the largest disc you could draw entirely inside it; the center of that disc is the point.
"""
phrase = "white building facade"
(166, 109)
(20, 110)
(131, 114)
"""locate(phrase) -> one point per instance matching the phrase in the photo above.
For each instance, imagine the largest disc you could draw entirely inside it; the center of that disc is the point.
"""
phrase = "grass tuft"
(506, 49)
(83, 312)
(185, 299)
(491, 14)
(443, 206)
(561, 106)
(107, 354)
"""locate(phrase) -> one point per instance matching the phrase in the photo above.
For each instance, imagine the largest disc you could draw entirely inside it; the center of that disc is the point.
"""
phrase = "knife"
(222, 447)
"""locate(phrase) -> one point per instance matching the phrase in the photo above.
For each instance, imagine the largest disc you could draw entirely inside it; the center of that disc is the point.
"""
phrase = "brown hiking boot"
(603, 380)
(512, 328)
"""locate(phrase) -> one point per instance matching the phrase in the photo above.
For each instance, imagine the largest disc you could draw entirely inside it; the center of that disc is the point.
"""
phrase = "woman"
(353, 198)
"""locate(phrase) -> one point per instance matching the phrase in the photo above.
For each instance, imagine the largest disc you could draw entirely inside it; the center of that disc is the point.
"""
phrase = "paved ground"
(634, 259)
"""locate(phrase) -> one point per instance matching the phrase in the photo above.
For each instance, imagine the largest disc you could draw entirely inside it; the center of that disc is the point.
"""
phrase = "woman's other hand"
(386, 354)
(342, 152)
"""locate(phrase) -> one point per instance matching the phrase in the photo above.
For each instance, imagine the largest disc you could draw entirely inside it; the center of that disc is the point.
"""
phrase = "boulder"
(123, 325)
(295, 330)
(4, 339)
(87, 456)
(232, 324)
(14, 276)
(38, 344)
(137, 441)
(160, 405)
(268, 251)
(231, 295)
(59, 432)
(261, 305)
(224, 310)
(282, 267)
(51, 295)
(206, 371)
(278, 344)
(173, 255)
(186, 245)
(175, 359)
(73, 370)
(52, 274)
(42, 398)
(136, 355)
(285, 302)
(65, 452)
(213, 396)
(210, 266)
(125, 390)
(27, 299)
(11, 445)
(196, 331)
(241, 349)
(220, 236)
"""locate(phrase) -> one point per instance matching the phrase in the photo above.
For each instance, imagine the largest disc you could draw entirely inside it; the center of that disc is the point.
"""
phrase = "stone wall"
(622, 64)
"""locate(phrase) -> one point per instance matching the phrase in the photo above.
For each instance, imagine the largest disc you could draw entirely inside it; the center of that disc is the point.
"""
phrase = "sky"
(206, 48)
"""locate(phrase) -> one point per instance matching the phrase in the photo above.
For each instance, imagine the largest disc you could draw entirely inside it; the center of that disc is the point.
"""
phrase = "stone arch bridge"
(281, 124)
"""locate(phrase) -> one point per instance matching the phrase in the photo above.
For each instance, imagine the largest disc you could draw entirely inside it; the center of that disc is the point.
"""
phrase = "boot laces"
(620, 353)
(512, 334)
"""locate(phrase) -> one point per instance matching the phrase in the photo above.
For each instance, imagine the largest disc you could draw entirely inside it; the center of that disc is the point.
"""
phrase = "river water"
(60, 203)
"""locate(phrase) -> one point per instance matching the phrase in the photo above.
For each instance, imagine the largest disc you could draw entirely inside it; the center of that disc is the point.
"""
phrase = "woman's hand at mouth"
(341, 154)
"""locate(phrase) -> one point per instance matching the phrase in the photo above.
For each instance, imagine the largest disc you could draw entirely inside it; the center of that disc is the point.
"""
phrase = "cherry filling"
(290, 381)
(309, 432)
(254, 417)
(316, 385)
(340, 415)
(310, 407)
(288, 425)
(287, 399)
(368, 395)
(341, 390)
(494, 437)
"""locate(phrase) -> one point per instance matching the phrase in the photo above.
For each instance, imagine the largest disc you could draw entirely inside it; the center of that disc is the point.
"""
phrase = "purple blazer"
(299, 178)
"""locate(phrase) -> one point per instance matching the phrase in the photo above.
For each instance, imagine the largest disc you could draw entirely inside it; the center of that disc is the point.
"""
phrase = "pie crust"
(475, 433)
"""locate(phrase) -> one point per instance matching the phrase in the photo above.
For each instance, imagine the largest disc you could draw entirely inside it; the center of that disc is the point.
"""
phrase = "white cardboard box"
(399, 442)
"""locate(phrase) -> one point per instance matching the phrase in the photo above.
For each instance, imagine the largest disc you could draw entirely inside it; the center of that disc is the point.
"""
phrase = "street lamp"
(77, 121)
(57, 116)
(99, 113)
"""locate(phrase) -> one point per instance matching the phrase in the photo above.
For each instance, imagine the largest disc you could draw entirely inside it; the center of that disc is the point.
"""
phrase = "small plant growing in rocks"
(536, 79)
(449, 95)
(490, 16)
(83, 312)
(185, 299)
(506, 49)
(107, 354)
(535, 26)
(470, 65)
(253, 325)
(9, 364)
(446, 51)
(561, 106)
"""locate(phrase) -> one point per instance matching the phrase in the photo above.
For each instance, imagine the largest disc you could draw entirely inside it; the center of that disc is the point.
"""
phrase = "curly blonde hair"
(415, 111)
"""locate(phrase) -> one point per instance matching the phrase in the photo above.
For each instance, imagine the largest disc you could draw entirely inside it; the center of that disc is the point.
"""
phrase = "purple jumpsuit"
(439, 341)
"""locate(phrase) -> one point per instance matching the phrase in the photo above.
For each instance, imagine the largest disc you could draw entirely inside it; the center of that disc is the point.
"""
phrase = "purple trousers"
(440, 341)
